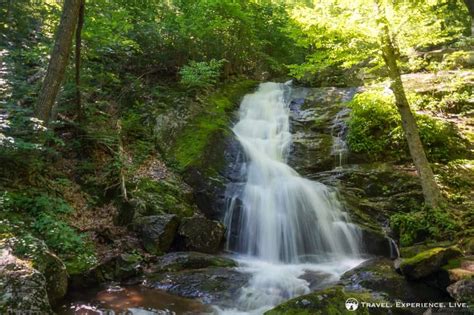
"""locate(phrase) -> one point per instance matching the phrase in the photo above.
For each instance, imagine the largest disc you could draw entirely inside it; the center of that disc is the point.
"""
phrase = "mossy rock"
(410, 251)
(428, 262)
(22, 287)
(196, 143)
(331, 301)
(201, 234)
(164, 196)
(379, 276)
(157, 232)
(115, 268)
(178, 261)
(46, 262)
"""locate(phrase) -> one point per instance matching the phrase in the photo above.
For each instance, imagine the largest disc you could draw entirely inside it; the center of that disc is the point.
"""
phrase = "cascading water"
(281, 224)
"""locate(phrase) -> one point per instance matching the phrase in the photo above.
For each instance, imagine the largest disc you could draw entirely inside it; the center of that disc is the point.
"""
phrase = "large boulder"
(178, 261)
(215, 285)
(201, 234)
(45, 261)
(462, 291)
(116, 268)
(428, 262)
(380, 277)
(55, 274)
(157, 232)
(22, 288)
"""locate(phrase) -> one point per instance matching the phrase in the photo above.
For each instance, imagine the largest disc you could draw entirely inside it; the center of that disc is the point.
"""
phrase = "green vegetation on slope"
(215, 119)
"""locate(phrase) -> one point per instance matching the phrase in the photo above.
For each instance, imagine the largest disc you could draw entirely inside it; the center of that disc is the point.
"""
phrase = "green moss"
(444, 253)
(163, 196)
(422, 256)
(407, 252)
(326, 302)
(193, 141)
(452, 263)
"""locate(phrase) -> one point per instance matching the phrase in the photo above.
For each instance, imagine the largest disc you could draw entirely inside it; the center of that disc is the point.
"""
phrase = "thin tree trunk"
(80, 23)
(431, 191)
(470, 7)
(59, 58)
(121, 157)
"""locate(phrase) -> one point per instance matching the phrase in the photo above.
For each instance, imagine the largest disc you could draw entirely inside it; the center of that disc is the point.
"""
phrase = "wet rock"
(380, 277)
(314, 128)
(376, 243)
(157, 232)
(371, 193)
(116, 268)
(428, 262)
(317, 280)
(201, 234)
(178, 261)
(208, 191)
(23, 289)
(462, 291)
(212, 285)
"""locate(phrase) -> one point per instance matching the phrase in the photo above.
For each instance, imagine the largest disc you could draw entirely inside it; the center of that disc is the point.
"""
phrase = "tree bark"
(59, 58)
(80, 23)
(470, 7)
(431, 191)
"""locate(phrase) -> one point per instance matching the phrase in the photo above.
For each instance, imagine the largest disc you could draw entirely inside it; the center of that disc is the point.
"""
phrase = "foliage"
(348, 34)
(434, 224)
(140, 59)
(45, 214)
(375, 129)
(442, 142)
(457, 60)
(374, 124)
(201, 75)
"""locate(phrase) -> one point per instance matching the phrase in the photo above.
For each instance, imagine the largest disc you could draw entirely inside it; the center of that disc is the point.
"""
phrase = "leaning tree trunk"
(470, 7)
(59, 59)
(77, 56)
(431, 191)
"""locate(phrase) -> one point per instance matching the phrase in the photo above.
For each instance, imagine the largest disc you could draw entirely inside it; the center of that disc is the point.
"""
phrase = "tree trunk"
(470, 7)
(59, 58)
(431, 191)
(80, 23)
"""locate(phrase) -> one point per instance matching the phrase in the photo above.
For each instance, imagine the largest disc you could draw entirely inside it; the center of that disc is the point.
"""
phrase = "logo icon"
(352, 304)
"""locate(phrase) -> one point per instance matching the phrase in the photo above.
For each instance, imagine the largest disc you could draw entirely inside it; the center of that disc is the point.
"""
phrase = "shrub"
(441, 141)
(201, 75)
(435, 224)
(46, 215)
(373, 124)
(375, 129)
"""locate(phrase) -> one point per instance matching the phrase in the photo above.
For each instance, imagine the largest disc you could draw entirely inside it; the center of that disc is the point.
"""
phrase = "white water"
(286, 225)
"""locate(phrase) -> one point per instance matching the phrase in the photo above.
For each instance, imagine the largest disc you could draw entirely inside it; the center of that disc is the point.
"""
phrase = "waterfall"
(281, 224)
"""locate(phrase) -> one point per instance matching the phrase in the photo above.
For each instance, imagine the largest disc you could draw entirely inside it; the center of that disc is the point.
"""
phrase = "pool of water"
(134, 300)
